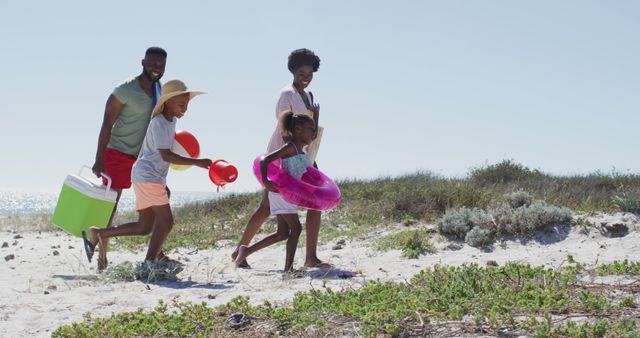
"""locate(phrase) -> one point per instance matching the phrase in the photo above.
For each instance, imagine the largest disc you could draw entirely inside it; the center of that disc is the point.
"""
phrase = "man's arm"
(111, 113)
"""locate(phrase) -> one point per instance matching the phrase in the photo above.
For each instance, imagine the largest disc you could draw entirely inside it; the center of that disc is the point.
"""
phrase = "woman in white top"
(302, 64)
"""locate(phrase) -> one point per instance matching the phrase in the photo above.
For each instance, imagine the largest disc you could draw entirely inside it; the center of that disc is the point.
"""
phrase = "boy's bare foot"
(102, 263)
(241, 257)
(93, 235)
(89, 247)
(316, 263)
(243, 264)
(162, 258)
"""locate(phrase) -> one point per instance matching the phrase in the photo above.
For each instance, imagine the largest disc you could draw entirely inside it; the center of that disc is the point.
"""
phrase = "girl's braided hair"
(288, 122)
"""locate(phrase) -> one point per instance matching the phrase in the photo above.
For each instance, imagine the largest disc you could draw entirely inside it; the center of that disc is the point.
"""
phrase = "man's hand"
(98, 168)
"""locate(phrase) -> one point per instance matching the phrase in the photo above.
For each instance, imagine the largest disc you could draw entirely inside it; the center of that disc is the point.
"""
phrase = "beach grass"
(412, 243)
(510, 300)
(410, 200)
(420, 197)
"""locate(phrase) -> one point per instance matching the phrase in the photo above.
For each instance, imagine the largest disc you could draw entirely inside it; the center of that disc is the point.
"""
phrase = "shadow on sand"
(163, 283)
(191, 285)
(552, 234)
(77, 277)
(332, 274)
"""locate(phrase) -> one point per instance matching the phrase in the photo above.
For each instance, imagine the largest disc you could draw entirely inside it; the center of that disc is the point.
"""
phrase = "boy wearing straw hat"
(149, 176)
(126, 118)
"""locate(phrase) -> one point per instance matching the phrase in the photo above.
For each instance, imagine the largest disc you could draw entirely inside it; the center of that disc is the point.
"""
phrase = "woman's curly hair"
(303, 57)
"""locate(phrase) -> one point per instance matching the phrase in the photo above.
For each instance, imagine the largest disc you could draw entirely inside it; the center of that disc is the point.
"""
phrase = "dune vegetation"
(493, 201)
(497, 189)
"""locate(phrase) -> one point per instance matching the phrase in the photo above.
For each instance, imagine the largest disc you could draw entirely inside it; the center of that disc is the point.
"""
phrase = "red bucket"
(221, 172)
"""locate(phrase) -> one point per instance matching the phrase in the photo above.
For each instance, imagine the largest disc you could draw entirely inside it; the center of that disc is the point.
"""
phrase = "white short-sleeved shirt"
(289, 99)
(150, 167)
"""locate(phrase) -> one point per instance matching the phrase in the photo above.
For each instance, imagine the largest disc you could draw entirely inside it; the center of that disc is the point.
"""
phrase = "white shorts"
(279, 206)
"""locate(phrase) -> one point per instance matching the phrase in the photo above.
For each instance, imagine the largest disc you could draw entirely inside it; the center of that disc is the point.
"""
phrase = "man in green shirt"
(126, 118)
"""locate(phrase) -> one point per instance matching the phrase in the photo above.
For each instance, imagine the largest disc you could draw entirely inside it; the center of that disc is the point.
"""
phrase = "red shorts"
(117, 165)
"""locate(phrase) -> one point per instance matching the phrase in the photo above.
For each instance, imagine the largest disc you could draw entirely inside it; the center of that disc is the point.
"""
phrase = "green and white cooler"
(83, 203)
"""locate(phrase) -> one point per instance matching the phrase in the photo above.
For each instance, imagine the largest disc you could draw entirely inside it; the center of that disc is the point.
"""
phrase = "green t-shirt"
(128, 132)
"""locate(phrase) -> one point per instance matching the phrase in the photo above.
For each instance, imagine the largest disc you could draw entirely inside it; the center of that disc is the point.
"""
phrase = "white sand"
(74, 289)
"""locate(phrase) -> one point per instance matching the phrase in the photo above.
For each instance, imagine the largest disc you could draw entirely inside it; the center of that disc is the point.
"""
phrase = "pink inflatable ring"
(314, 191)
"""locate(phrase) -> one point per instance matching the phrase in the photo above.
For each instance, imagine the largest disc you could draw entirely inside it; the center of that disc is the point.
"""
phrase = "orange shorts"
(150, 194)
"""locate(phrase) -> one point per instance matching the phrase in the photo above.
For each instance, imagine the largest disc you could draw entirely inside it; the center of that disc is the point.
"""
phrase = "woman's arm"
(315, 108)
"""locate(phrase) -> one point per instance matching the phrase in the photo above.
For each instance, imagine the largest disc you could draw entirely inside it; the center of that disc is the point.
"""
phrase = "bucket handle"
(101, 174)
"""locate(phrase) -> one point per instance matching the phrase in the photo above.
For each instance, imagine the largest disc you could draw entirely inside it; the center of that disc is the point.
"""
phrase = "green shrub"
(145, 271)
(479, 237)
(500, 219)
(539, 215)
(504, 172)
(627, 202)
(511, 300)
(518, 198)
(619, 268)
(413, 243)
(456, 222)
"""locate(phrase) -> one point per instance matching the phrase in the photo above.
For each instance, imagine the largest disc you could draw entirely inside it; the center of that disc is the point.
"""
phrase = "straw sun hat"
(172, 89)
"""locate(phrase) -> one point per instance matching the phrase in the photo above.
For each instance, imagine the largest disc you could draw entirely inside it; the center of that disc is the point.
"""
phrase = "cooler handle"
(101, 174)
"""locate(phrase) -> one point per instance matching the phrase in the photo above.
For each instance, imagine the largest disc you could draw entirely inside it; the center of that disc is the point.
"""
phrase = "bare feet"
(102, 263)
(243, 264)
(89, 247)
(316, 263)
(293, 274)
(162, 258)
(241, 257)
(94, 237)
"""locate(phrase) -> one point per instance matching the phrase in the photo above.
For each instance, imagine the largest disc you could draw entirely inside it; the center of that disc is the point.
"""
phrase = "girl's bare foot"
(243, 263)
(316, 263)
(241, 257)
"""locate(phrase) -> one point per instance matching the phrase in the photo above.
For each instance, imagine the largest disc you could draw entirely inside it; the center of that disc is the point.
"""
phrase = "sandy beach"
(46, 280)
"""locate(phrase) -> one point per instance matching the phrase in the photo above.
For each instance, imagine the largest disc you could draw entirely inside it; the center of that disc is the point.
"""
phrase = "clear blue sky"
(403, 85)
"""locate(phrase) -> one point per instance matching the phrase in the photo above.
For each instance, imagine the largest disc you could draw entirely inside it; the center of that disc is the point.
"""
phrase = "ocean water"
(25, 203)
